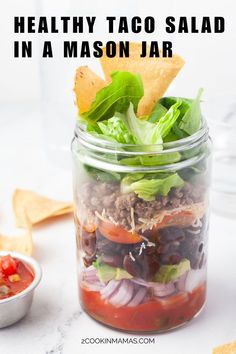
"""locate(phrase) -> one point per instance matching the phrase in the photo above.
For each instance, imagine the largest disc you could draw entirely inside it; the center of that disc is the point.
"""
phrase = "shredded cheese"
(100, 216)
(143, 246)
(131, 256)
(149, 243)
(132, 219)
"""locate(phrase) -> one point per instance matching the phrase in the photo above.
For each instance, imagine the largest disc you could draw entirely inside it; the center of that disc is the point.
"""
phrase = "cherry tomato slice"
(117, 234)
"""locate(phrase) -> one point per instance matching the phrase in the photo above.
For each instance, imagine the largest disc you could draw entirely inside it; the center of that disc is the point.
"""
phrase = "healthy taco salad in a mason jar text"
(141, 165)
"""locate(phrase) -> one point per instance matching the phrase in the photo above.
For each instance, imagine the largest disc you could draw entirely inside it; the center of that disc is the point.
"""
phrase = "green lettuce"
(191, 121)
(103, 176)
(148, 133)
(171, 272)
(166, 122)
(148, 188)
(124, 89)
(157, 112)
(106, 272)
(116, 130)
(145, 132)
(156, 160)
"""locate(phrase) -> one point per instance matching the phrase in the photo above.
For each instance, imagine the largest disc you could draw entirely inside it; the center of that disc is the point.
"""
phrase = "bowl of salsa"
(19, 276)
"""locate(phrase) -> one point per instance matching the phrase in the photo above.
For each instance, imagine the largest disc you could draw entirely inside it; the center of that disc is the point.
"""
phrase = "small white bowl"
(14, 308)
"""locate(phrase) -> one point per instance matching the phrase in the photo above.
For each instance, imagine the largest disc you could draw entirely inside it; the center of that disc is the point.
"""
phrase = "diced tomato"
(117, 234)
(182, 218)
(8, 265)
(179, 218)
(149, 316)
(15, 281)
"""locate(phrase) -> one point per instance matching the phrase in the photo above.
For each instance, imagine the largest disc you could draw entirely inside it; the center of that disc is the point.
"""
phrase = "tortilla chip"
(229, 348)
(64, 211)
(156, 73)
(22, 244)
(36, 207)
(87, 84)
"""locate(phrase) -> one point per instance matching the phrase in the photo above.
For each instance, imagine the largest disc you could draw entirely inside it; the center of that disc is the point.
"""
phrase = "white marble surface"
(56, 323)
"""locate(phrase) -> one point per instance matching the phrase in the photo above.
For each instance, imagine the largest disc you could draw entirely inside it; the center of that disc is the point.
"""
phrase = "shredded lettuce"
(147, 189)
(116, 130)
(124, 89)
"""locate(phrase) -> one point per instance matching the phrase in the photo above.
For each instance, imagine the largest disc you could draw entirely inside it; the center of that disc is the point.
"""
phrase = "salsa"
(153, 315)
(15, 276)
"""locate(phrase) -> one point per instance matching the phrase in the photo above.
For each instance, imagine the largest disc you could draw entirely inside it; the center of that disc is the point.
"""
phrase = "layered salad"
(141, 218)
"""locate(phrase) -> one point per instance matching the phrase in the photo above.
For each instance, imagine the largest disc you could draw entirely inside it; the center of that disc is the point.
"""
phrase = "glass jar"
(142, 245)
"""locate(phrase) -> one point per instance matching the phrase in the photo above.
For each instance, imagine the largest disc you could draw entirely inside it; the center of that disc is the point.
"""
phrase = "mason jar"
(141, 246)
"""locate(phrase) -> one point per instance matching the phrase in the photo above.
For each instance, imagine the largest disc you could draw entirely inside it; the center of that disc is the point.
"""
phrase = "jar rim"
(142, 149)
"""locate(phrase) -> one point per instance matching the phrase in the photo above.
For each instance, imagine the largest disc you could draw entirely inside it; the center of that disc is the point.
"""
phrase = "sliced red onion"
(90, 275)
(138, 297)
(110, 289)
(93, 286)
(180, 283)
(123, 295)
(140, 281)
(195, 278)
(150, 284)
(162, 290)
(90, 269)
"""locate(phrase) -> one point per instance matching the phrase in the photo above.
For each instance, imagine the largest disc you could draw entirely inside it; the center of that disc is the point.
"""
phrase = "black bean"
(200, 248)
(131, 266)
(88, 242)
(113, 260)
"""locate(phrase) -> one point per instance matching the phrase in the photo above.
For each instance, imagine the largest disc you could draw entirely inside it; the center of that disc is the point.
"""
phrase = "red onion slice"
(195, 278)
(110, 289)
(164, 289)
(92, 286)
(123, 295)
(180, 284)
(90, 275)
(138, 297)
(140, 281)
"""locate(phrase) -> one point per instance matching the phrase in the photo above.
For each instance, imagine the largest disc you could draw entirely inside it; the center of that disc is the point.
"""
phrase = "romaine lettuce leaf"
(191, 121)
(116, 97)
(103, 176)
(169, 272)
(145, 132)
(147, 189)
(148, 133)
(156, 160)
(166, 122)
(116, 129)
(157, 112)
(106, 272)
